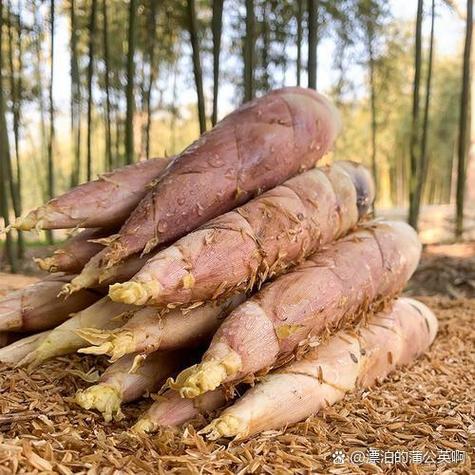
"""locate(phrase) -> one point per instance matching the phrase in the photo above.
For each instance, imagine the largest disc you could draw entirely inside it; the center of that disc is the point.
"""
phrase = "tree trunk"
(374, 124)
(90, 74)
(105, 37)
(152, 36)
(142, 85)
(42, 179)
(422, 174)
(414, 165)
(51, 178)
(75, 100)
(299, 39)
(470, 189)
(217, 26)
(340, 65)
(193, 31)
(5, 159)
(118, 139)
(119, 119)
(464, 126)
(51, 171)
(5, 179)
(249, 51)
(16, 92)
(313, 6)
(129, 119)
(173, 118)
(266, 47)
(284, 63)
(19, 180)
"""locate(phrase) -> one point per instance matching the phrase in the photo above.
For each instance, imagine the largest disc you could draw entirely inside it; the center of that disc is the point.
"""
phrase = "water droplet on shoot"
(216, 161)
(162, 226)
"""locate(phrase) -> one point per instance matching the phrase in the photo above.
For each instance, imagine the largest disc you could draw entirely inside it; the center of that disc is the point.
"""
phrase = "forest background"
(91, 85)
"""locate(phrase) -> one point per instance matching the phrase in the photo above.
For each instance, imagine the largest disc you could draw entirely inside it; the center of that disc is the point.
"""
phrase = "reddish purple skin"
(317, 294)
(37, 306)
(104, 202)
(75, 253)
(253, 149)
(262, 238)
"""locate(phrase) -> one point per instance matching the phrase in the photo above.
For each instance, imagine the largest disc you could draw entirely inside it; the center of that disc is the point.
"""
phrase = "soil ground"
(426, 410)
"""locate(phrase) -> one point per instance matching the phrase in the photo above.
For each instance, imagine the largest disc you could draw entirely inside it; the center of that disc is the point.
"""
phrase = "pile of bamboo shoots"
(237, 262)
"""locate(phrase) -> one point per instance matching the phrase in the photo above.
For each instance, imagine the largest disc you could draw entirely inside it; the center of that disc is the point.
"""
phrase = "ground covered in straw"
(421, 420)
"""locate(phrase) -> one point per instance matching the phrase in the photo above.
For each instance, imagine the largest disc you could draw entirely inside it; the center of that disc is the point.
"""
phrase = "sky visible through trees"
(450, 38)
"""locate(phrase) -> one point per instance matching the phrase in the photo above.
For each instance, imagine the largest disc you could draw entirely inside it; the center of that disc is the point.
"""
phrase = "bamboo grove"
(145, 77)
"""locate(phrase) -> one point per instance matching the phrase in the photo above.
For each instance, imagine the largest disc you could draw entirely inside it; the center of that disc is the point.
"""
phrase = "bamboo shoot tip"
(144, 426)
(226, 426)
(135, 293)
(108, 343)
(26, 223)
(203, 377)
(102, 397)
(47, 264)
(68, 289)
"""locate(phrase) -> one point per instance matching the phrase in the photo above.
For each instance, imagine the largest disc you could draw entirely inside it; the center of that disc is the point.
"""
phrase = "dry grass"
(428, 406)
